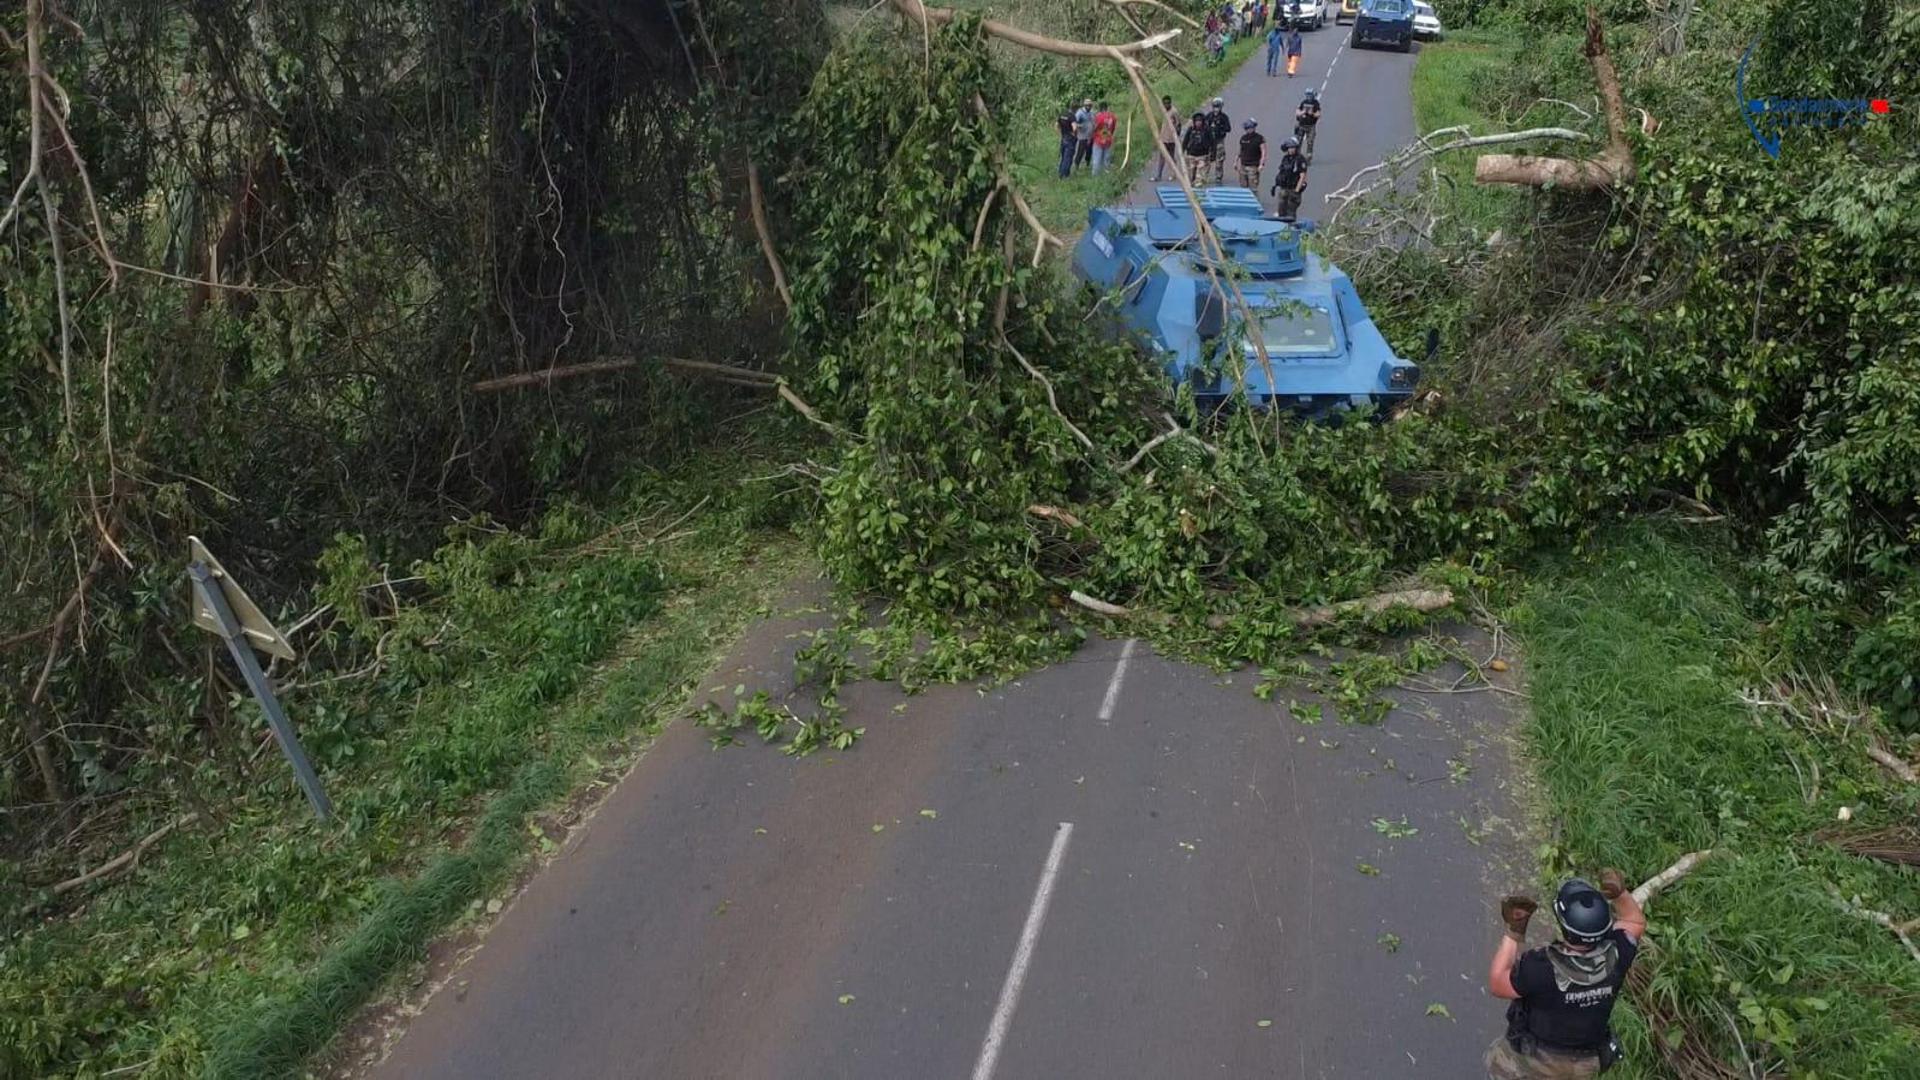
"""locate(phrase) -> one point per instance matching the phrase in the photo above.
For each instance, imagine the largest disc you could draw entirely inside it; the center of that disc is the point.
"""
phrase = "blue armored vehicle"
(1324, 355)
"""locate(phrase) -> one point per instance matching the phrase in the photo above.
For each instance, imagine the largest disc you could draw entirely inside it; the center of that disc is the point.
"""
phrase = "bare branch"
(1902, 930)
(129, 857)
(915, 10)
(1111, 611)
(1681, 868)
(758, 207)
(1425, 147)
(1423, 600)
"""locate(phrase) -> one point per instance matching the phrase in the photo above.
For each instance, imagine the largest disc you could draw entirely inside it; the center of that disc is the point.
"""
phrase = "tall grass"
(1639, 653)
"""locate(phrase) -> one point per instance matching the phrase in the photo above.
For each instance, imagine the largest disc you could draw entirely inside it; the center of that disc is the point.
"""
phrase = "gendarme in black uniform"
(1563, 1007)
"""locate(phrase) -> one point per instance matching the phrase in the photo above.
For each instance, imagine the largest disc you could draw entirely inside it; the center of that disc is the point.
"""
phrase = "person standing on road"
(1275, 39)
(1294, 46)
(1083, 133)
(1169, 138)
(1289, 181)
(1563, 994)
(1253, 155)
(1198, 145)
(1068, 140)
(1104, 123)
(1306, 121)
(1220, 129)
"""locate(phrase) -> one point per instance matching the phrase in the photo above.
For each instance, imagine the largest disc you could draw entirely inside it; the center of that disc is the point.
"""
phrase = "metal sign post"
(214, 611)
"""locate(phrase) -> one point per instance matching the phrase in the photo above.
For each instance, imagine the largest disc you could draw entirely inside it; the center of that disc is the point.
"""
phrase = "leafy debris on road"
(1394, 830)
(1368, 869)
(1389, 942)
(1437, 1009)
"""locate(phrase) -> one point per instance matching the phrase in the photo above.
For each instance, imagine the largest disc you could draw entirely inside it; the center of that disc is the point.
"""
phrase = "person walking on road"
(1169, 138)
(1275, 39)
(1068, 141)
(1083, 133)
(1289, 181)
(1562, 994)
(1198, 145)
(1294, 45)
(1306, 121)
(1104, 123)
(1220, 128)
(1253, 154)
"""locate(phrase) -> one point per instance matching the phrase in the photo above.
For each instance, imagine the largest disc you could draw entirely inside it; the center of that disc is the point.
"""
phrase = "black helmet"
(1312, 95)
(1290, 143)
(1583, 913)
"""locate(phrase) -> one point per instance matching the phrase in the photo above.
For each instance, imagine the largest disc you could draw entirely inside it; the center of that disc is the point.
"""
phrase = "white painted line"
(1330, 66)
(1023, 955)
(1113, 685)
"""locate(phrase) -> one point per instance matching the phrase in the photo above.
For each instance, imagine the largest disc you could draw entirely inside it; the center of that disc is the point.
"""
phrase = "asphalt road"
(1366, 111)
(1119, 866)
(1213, 910)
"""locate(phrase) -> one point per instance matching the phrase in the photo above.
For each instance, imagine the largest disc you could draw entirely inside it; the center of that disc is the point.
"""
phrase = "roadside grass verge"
(538, 659)
(1639, 655)
(1458, 80)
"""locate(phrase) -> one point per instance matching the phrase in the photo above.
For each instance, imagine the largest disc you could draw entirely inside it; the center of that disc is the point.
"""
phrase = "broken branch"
(758, 207)
(1612, 166)
(127, 857)
(915, 10)
(1894, 764)
(1112, 611)
(1054, 513)
(1423, 600)
(1681, 868)
(1902, 930)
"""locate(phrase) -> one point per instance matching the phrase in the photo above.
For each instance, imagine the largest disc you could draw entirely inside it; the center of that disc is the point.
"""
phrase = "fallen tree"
(1613, 165)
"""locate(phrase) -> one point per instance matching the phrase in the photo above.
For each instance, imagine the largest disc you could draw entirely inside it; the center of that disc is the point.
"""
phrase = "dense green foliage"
(1701, 334)
(224, 953)
(1639, 658)
(318, 226)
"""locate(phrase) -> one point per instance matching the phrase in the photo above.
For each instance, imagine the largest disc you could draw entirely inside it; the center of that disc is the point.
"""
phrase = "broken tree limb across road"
(1613, 165)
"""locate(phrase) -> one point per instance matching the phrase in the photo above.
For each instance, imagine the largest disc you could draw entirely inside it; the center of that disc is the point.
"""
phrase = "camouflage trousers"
(1505, 1063)
(1250, 177)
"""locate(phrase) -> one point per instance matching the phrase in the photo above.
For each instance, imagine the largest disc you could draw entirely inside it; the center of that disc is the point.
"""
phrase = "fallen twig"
(1902, 930)
(126, 858)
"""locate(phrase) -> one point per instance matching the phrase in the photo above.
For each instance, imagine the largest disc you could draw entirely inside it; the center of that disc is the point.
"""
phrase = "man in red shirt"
(1104, 123)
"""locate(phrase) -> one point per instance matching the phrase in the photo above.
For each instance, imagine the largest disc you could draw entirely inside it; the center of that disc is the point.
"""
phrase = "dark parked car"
(1385, 22)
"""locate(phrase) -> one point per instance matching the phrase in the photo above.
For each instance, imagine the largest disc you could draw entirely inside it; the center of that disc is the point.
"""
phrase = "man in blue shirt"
(1274, 38)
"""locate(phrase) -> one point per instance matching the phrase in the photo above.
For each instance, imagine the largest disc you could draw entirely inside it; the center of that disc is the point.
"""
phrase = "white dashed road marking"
(1113, 685)
(1023, 955)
